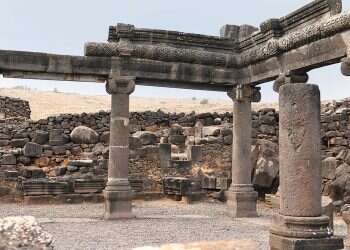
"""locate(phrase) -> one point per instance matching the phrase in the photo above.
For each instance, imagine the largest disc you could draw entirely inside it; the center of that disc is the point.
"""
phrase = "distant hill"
(48, 103)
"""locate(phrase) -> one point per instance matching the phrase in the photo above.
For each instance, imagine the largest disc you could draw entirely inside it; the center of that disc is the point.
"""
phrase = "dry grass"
(44, 104)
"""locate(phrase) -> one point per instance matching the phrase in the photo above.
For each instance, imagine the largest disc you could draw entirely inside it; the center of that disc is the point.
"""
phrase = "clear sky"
(63, 26)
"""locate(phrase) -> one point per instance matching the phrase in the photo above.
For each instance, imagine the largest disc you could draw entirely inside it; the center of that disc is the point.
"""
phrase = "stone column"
(300, 223)
(241, 197)
(118, 193)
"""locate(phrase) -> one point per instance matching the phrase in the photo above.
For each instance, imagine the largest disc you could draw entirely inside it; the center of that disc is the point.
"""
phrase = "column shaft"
(118, 193)
(241, 147)
(300, 224)
(119, 137)
(300, 154)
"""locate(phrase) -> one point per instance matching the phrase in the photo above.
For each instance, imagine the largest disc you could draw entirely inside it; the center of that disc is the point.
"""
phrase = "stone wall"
(14, 107)
(50, 147)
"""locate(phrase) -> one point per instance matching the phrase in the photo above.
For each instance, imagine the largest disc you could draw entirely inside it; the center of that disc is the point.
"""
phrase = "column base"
(300, 233)
(241, 201)
(283, 243)
(118, 200)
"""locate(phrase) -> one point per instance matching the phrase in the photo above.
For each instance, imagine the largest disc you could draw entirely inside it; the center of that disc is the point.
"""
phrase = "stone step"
(44, 187)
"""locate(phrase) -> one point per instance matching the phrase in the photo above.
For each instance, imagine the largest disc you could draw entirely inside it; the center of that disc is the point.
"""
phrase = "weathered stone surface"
(267, 166)
(23, 233)
(32, 149)
(18, 143)
(40, 137)
(57, 137)
(33, 172)
(329, 166)
(84, 135)
(146, 137)
(8, 159)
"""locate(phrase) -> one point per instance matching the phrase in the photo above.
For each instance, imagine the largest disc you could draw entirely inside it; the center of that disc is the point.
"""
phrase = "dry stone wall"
(54, 148)
(14, 107)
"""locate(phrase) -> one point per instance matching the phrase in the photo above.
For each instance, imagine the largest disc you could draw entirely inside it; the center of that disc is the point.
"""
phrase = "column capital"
(243, 92)
(290, 77)
(120, 85)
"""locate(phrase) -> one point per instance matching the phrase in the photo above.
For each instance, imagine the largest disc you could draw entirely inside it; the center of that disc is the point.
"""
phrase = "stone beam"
(32, 65)
(327, 51)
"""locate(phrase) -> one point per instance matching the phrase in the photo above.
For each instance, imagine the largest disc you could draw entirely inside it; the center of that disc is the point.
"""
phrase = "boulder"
(84, 135)
(146, 137)
(23, 233)
(32, 149)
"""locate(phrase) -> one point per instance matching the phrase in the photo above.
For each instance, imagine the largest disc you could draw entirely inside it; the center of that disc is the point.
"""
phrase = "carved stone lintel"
(120, 85)
(245, 92)
(290, 77)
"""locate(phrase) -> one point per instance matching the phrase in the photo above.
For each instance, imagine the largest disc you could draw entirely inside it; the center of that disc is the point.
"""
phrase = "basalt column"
(300, 224)
(118, 194)
(241, 197)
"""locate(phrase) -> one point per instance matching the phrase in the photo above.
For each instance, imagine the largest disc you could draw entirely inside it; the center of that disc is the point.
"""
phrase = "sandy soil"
(44, 104)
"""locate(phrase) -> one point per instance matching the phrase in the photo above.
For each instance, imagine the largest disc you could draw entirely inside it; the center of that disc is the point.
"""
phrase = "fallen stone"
(72, 168)
(23, 233)
(33, 172)
(81, 163)
(211, 131)
(84, 135)
(8, 159)
(177, 139)
(57, 137)
(40, 137)
(19, 143)
(32, 149)
(328, 168)
(134, 143)
(146, 137)
(105, 136)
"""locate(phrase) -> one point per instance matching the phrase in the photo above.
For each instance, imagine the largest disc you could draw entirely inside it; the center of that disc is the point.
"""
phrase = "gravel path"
(158, 222)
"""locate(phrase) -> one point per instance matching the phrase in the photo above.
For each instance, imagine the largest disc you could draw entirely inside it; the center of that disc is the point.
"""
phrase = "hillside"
(44, 104)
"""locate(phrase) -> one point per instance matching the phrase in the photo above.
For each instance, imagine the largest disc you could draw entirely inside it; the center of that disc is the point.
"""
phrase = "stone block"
(32, 149)
(57, 137)
(60, 170)
(81, 163)
(40, 137)
(19, 143)
(4, 143)
(33, 172)
(177, 139)
(8, 159)
(59, 150)
(44, 187)
(284, 243)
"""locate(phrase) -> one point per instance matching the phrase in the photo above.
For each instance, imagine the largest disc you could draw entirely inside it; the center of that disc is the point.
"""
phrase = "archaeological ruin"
(299, 152)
